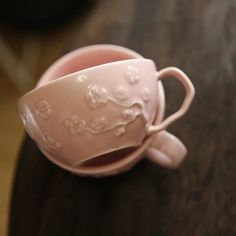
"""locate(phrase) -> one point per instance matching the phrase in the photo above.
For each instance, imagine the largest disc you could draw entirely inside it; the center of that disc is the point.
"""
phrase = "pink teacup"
(98, 100)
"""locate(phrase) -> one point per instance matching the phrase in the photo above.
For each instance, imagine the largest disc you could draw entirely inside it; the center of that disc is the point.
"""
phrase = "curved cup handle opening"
(189, 89)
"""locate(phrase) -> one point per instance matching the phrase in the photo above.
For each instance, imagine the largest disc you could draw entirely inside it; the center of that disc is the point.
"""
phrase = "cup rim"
(84, 50)
(70, 77)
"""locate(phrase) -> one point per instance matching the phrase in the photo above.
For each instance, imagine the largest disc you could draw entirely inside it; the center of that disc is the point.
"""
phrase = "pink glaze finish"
(101, 99)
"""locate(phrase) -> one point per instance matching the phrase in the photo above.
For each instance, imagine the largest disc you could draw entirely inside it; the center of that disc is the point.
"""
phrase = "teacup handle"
(189, 89)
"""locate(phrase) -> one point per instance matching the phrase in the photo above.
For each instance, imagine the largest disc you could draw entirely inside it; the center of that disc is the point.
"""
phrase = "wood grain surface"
(198, 36)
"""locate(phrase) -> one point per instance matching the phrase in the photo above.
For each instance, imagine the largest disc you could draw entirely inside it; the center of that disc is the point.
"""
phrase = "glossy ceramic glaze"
(96, 101)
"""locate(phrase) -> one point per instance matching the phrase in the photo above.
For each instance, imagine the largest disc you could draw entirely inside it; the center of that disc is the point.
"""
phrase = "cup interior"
(109, 158)
(85, 58)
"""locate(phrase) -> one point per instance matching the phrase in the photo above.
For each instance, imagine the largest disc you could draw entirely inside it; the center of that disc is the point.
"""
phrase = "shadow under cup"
(90, 56)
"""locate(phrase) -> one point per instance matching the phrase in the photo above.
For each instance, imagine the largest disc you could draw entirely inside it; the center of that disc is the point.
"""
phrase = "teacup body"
(93, 111)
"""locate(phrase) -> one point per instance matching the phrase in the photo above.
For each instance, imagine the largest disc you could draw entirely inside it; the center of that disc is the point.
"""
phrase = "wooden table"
(198, 36)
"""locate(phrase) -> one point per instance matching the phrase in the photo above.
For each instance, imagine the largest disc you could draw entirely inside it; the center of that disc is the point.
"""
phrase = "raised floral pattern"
(50, 143)
(120, 131)
(99, 124)
(82, 78)
(96, 96)
(74, 125)
(129, 114)
(132, 75)
(121, 94)
(43, 109)
(26, 123)
(146, 95)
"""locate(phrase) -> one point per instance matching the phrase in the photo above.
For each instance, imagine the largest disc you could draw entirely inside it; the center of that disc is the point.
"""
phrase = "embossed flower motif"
(43, 109)
(128, 114)
(120, 131)
(82, 78)
(146, 95)
(96, 96)
(74, 125)
(51, 143)
(99, 124)
(121, 94)
(26, 123)
(132, 75)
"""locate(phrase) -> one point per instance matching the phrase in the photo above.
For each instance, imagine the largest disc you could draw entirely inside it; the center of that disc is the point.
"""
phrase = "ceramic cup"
(98, 100)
